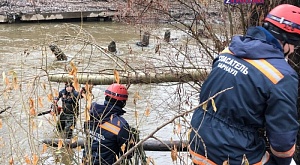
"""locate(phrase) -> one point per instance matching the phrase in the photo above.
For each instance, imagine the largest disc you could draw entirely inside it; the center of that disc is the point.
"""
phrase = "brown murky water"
(25, 54)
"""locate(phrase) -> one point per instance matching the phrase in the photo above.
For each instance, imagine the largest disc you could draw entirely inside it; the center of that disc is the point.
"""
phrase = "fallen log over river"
(148, 145)
(133, 78)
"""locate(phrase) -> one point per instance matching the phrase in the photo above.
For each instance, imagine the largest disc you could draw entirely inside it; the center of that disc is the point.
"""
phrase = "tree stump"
(167, 36)
(145, 41)
(112, 46)
(59, 54)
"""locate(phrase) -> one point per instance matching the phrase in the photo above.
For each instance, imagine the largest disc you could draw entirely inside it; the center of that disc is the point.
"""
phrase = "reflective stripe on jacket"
(202, 160)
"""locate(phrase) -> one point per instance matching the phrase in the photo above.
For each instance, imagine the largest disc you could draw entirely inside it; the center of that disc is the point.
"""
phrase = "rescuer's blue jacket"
(262, 92)
(70, 101)
(107, 131)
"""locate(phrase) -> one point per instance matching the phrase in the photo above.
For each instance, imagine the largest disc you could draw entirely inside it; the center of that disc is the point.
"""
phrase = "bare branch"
(166, 123)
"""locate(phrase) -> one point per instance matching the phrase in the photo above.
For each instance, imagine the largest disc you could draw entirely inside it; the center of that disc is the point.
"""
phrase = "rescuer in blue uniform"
(262, 91)
(107, 132)
(70, 109)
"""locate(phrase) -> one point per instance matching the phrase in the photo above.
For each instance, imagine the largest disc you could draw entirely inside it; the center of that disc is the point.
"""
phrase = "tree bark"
(133, 78)
(148, 145)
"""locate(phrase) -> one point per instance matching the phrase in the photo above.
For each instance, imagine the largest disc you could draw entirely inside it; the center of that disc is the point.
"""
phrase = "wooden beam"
(133, 78)
(148, 145)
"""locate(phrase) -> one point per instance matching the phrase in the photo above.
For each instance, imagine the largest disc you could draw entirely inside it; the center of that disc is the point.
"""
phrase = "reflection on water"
(25, 54)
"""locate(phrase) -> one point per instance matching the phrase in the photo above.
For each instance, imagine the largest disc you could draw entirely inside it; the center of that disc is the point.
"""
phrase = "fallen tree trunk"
(133, 78)
(149, 145)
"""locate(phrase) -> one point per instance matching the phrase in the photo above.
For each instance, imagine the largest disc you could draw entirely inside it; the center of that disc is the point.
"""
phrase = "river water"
(25, 55)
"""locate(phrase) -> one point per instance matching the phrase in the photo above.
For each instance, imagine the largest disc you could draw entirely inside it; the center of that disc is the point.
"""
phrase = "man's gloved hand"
(83, 90)
(55, 109)
(53, 106)
(54, 102)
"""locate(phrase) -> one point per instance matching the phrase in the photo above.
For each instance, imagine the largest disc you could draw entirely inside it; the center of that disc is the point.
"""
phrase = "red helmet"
(117, 91)
(285, 17)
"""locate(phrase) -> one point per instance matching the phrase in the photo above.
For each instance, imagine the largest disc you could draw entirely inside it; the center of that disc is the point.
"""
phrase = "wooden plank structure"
(148, 145)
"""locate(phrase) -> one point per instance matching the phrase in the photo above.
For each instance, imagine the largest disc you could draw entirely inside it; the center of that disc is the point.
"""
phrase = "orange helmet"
(117, 91)
(285, 17)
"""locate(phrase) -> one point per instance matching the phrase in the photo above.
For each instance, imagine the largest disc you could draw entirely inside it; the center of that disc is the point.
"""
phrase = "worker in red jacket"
(262, 93)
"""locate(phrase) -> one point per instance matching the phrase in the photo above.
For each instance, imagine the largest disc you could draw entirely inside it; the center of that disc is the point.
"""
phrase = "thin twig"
(5, 109)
